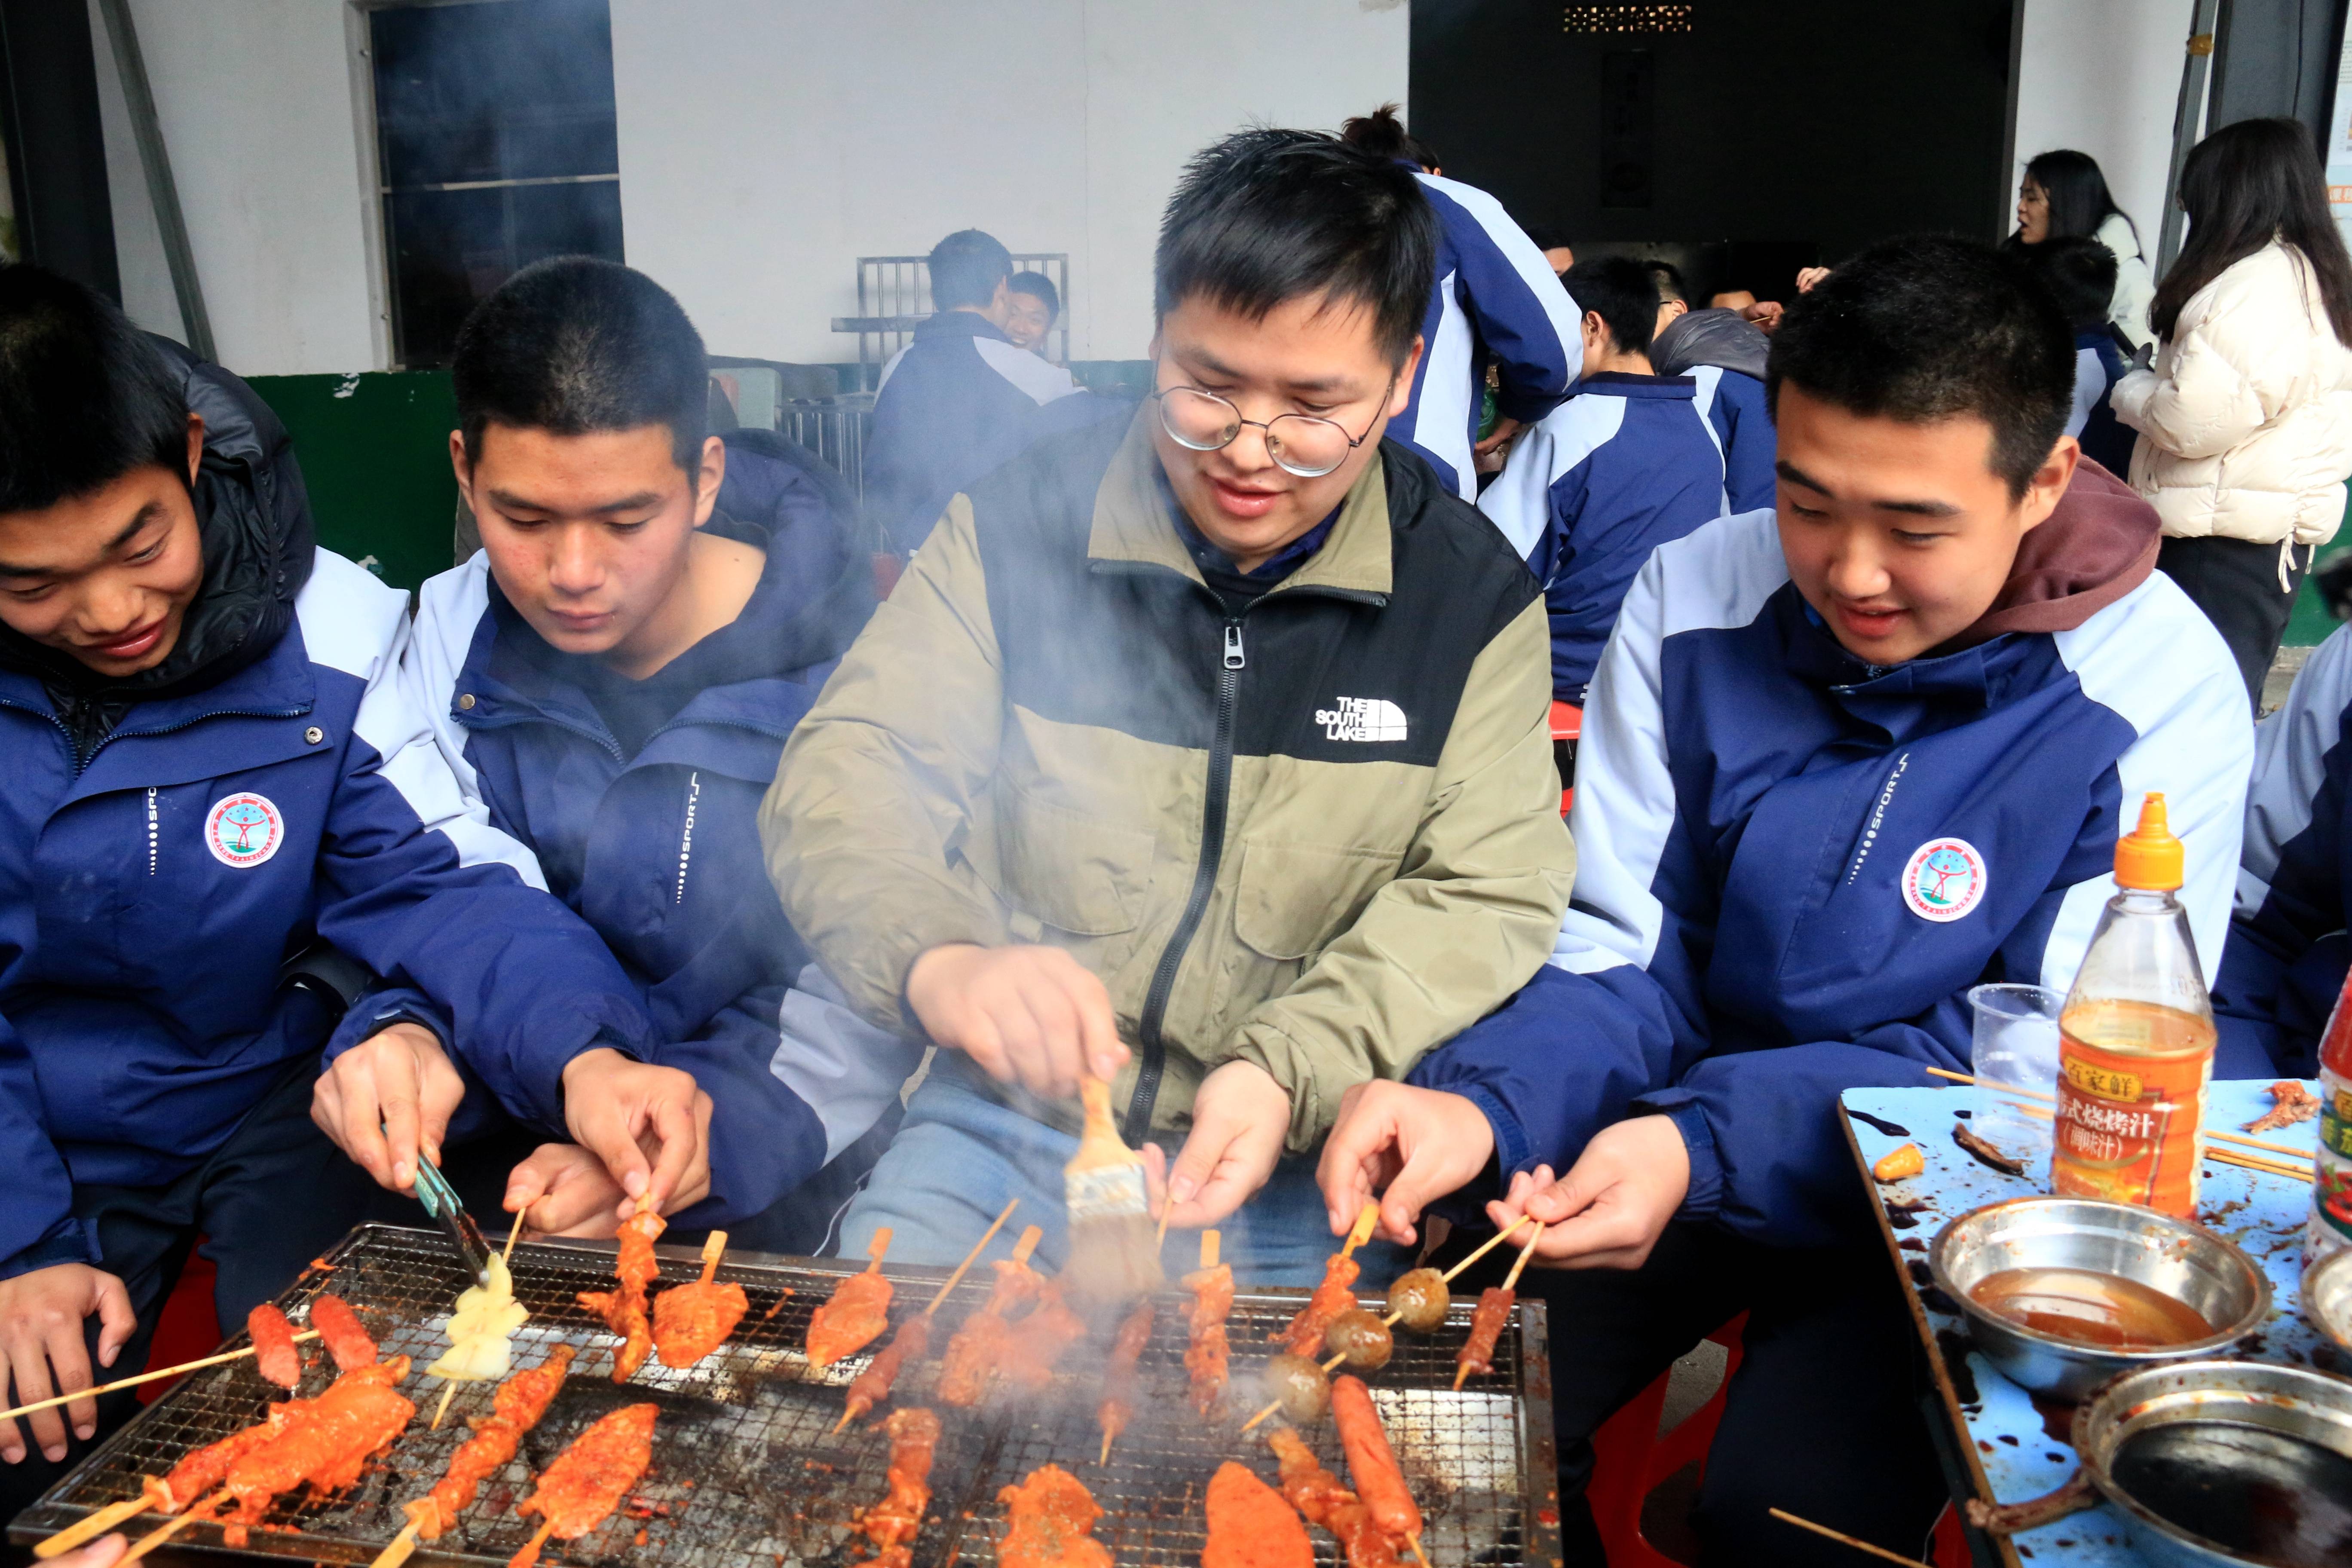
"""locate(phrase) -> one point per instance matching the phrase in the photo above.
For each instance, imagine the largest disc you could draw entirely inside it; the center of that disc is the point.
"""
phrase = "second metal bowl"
(2176, 1258)
(2327, 1295)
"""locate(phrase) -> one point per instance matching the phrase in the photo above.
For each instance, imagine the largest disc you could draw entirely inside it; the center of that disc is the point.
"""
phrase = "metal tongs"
(440, 1200)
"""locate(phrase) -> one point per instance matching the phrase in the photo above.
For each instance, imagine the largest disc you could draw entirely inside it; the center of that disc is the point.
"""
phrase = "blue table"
(2001, 1449)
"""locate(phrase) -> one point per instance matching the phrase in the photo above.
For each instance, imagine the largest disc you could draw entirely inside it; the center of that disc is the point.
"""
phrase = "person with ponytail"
(2245, 415)
(1496, 302)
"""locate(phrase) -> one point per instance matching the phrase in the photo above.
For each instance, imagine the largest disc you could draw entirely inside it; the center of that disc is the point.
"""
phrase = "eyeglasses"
(1299, 444)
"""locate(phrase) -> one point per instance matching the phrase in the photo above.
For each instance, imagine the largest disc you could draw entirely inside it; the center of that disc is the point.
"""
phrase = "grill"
(746, 1468)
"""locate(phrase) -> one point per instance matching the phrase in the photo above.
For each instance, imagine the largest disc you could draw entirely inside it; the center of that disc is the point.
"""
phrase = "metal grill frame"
(745, 1469)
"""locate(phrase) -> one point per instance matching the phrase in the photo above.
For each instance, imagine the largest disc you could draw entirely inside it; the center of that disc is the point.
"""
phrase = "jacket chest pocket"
(1292, 899)
(1067, 871)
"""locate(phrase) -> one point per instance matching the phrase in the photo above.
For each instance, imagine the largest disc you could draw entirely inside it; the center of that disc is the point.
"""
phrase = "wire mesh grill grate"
(747, 1469)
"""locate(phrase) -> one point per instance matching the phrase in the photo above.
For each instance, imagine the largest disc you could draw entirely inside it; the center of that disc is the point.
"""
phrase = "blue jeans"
(961, 1154)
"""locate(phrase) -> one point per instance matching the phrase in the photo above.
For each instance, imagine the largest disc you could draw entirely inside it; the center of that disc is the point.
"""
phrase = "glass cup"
(2014, 1056)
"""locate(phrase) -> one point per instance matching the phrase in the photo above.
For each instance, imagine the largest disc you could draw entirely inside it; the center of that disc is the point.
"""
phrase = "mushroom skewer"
(872, 1386)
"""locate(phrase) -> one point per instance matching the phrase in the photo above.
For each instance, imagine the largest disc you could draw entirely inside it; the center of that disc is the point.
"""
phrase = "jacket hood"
(1720, 338)
(253, 517)
(2096, 546)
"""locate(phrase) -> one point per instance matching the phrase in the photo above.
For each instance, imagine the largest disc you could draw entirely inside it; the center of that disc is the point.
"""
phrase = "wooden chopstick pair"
(2238, 1137)
(2296, 1165)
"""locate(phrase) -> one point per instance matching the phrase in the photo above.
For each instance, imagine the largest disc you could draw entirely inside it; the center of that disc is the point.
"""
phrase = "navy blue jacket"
(2098, 365)
(2288, 952)
(1620, 468)
(659, 850)
(1496, 302)
(1733, 402)
(1792, 867)
(148, 898)
(957, 403)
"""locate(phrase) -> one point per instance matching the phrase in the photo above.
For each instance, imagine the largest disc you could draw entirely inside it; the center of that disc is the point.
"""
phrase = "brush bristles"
(1110, 1192)
(1114, 1248)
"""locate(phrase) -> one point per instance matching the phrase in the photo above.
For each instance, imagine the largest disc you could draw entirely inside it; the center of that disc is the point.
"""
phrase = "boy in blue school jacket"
(1723, 353)
(1620, 468)
(210, 767)
(1949, 638)
(612, 679)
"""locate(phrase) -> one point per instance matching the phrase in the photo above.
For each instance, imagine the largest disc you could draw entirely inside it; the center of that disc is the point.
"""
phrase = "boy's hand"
(570, 1190)
(1411, 1146)
(41, 1314)
(1028, 1014)
(1240, 1117)
(386, 1098)
(1611, 1207)
(103, 1552)
(613, 1105)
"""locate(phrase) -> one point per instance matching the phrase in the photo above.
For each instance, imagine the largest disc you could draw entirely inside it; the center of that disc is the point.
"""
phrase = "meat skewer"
(274, 1355)
(1250, 1526)
(979, 1347)
(1118, 1407)
(624, 1307)
(1043, 1337)
(324, 1446)
(587, 1482)
(692, 1320)
(515, 1409)
(1493, 1309)
(1050, 1520)
(1317, 1493)
(1300, 1382)
(1336, 1294)
(913, 1339)
(1206, 1353)
(155, 1375)
(893, 1523)
(855, 1314)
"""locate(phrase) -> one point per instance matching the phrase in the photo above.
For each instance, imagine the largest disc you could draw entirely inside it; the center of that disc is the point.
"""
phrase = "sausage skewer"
(1482, 1248)
(1493, 1311)
(872, 1386)
(1372, 1463)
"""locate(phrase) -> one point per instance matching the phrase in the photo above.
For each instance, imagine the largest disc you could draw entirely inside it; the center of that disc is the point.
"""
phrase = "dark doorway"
(1752, 136)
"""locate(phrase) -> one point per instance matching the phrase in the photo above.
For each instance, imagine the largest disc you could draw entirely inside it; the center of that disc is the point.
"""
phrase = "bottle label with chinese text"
(2129, 1125)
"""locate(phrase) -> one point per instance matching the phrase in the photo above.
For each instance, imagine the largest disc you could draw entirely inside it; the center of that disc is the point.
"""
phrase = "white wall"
(2102, 76)
(793, 136)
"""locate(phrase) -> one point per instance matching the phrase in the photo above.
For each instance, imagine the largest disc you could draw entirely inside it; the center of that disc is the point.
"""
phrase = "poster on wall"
(2339, 147)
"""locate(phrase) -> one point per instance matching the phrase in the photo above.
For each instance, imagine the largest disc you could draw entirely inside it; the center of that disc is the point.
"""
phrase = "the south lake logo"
(1363, 719)
(244, 829)
(1944, 879)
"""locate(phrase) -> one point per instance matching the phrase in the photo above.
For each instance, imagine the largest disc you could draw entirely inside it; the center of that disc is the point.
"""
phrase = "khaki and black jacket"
(1321, 835)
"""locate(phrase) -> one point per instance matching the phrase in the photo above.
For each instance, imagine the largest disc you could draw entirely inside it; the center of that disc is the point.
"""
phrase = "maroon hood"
(2096, 545)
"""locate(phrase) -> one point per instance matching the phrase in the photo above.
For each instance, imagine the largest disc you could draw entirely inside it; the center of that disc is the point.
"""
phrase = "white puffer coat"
(2134, 287)
(2246, 421)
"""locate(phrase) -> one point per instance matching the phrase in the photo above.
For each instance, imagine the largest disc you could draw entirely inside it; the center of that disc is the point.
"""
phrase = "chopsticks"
(184, 1366)
(2239, 1138)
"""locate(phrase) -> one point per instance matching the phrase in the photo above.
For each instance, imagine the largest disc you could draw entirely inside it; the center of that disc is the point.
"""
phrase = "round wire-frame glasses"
(1298, 443)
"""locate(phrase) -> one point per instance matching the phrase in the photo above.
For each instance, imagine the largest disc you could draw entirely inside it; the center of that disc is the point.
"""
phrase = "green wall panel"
(375, 450)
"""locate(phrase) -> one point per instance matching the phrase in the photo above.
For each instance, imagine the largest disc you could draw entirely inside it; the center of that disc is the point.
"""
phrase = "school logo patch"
(1944, 879)
(244, 829)
(1363, 719)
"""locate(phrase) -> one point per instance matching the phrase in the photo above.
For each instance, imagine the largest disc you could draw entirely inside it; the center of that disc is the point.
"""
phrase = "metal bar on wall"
(155, 161)
(2187, 119)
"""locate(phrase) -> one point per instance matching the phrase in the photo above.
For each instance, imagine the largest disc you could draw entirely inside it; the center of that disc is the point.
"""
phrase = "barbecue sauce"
(2103, 1309)
(2264, 1497)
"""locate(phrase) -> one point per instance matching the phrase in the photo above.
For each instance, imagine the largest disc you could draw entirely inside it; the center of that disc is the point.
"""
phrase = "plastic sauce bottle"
(2136, 1039)
(2331, 1187)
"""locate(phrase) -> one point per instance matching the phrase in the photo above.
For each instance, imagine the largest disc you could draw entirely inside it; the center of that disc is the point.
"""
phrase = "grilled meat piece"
(872, 1386)
(1250, 1526)
(624, 1309)
(692, 1320)
(1331, 1298)
(515, 1409)
(854, 1317)
(1476, 1357)
(325, 1443)
(1207, 1356)
(587, 1482)
(1317, 1493)
(1050, 1519)
(893, 1523)
(1118, 1406)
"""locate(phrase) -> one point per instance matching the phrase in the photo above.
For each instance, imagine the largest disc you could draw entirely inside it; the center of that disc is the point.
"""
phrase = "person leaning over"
(210, 767)
(1222, 736)
(1840, 764)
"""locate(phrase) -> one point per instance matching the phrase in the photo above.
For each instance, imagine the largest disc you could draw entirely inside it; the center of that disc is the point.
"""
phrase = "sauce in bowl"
(2102, 1309)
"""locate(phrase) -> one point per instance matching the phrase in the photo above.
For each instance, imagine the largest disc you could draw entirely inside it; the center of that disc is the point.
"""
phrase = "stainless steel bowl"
(2177, 1258)
(2256, 1398)
(2327, 1295)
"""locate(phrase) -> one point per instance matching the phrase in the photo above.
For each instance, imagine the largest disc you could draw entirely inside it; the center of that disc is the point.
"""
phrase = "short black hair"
(1037, 286)
(1265, 216)
(2080, 274)
(84, 396)
(573, 345)
(1667, 279)
(1547, 237)
(1384, 135)
(1618, 290)
(966, 267)
(1932, 327)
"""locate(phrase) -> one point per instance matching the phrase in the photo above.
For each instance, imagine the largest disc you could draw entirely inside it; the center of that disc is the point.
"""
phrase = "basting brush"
(1114, 1254)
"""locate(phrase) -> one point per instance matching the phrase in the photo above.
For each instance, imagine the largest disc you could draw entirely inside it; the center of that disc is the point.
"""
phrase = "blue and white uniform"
(1496, 302)
(638, 800)
(2288, 952)
(1734, 405)
(1791, 866)
(1624, 466)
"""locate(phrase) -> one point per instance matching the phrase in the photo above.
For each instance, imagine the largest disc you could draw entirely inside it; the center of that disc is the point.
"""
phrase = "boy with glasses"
(1208, 756)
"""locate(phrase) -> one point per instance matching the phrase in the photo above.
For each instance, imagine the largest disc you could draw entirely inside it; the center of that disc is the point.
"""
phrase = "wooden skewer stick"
(714, 1248)
(143, 1377)
(530, 1553)
(877, 1250)
(402, 1546)
(1842, 1539)
(514, 1235)
(92, 1527)
(449, 1393)
(1208, 1249)
(1361, 1231)
(972, 1258)
(1419, 1555)
(1489, 1245)
(2047, 1099)
(2275, 1167)
(1511, 1280)
(172, 1526)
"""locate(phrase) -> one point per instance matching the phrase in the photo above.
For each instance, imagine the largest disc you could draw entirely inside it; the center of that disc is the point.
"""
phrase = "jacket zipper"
(1205, 882)
(115, 735)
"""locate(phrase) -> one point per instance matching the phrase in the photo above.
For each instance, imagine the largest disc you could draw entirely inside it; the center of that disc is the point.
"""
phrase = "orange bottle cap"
(2149, 857)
